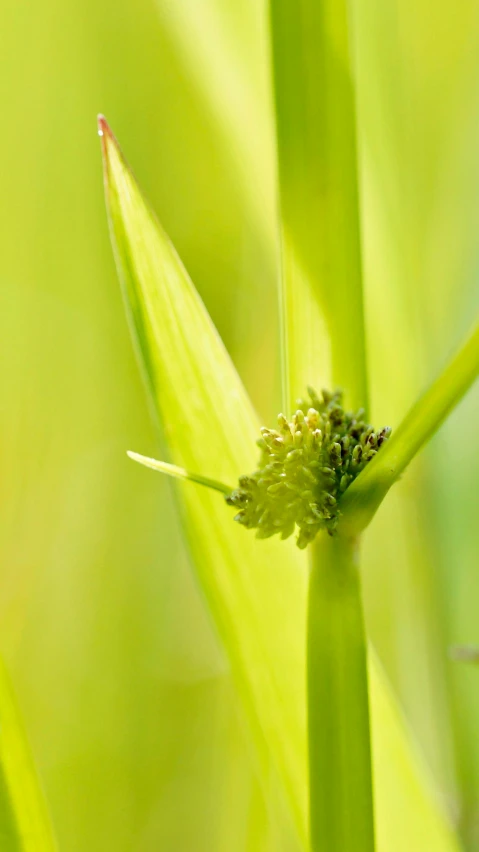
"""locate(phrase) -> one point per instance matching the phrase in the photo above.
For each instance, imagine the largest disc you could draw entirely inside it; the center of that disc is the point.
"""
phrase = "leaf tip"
(103, 126)
(111, 155)
(107, 137)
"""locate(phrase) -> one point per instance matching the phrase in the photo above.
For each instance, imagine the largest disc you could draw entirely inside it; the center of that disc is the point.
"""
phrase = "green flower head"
(305, 465)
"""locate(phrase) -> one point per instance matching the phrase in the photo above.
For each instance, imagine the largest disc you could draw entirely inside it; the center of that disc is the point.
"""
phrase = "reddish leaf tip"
(108, 138)
(103, 127)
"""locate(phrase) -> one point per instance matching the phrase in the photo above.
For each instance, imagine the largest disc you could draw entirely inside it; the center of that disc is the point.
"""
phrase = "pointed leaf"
(256, 592)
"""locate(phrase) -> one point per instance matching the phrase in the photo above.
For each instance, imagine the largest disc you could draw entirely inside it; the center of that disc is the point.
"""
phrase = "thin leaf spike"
(179, 472)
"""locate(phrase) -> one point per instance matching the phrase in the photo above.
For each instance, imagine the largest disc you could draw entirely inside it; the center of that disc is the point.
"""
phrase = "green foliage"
(125, 694)
(257, 598)
(256, 593)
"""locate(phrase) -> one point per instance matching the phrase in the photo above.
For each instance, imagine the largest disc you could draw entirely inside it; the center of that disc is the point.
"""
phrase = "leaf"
(256, 591)
(322, 302)
(179, 472)
(364, 496)
(24, 822)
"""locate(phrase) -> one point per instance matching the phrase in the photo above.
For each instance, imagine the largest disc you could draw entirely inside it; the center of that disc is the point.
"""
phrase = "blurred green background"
(124, 691)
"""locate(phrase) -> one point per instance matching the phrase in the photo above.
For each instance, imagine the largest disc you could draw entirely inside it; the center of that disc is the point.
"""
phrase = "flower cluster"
(305, 466)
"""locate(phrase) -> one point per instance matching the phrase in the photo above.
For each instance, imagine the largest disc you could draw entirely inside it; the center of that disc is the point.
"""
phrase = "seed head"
(305, 466)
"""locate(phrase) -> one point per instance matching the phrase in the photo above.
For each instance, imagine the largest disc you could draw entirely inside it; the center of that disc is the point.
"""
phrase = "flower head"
(305, 465)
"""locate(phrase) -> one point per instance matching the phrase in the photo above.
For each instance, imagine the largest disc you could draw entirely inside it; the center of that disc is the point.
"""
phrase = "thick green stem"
(321, 295)
(341, 801)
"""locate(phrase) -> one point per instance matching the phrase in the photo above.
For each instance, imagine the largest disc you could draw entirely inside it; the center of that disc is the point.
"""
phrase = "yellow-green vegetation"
(156, 648)
(256, 593)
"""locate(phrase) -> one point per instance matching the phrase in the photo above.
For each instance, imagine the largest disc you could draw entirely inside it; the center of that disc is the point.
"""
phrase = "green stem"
(323, 336)
(341, 801)
(365, 494)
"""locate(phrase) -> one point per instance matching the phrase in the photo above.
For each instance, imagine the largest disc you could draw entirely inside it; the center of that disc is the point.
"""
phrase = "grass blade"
(256, 594)
(256, 591)
(366, 493)
(322, 302)
(24, 821)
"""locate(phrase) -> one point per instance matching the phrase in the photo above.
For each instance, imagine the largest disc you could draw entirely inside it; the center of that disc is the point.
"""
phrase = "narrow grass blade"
(322, 302)
(366, 493)
(179, 472)
(339, 736)
(24, 821)
(256, 591)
